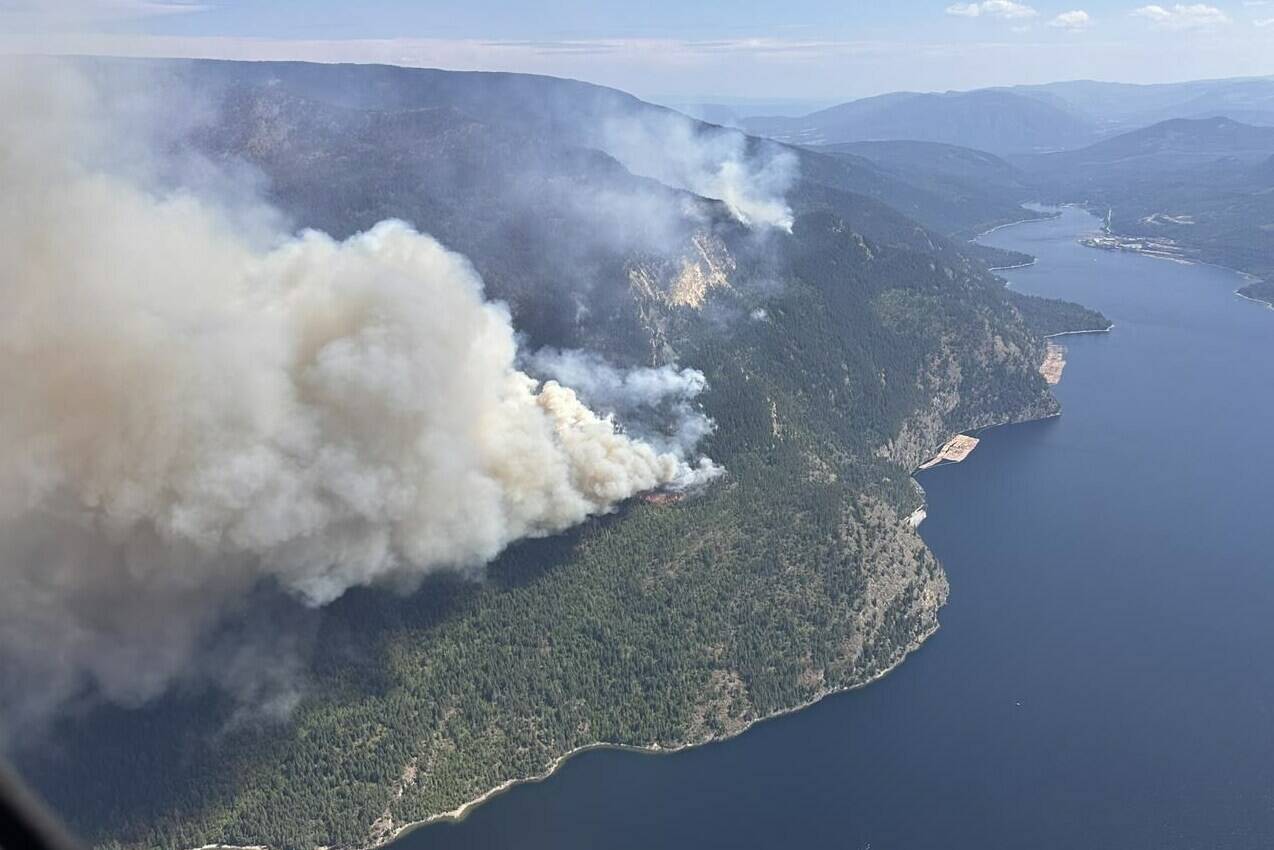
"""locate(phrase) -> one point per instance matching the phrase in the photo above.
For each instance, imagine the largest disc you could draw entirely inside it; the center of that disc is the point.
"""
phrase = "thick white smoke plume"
(715, 163)
(655, 403)
(190, 410)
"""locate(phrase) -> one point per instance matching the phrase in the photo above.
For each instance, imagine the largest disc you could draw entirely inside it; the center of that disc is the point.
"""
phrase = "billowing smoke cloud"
(713, 162)
(192, 410)
(656, 404)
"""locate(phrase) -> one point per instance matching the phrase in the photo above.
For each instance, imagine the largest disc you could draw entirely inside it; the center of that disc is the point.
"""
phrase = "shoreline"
(976, 239)
(914, 519)
(1076, 333)
(462, 811)
(1033, 261)
(1042, 216)
(465, 809)
(1269, 305)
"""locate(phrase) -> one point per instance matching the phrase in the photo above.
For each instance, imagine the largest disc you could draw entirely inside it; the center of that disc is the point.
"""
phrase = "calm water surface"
(1103, 676)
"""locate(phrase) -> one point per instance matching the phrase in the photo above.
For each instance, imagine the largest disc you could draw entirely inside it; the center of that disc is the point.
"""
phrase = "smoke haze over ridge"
(194, 408)
(710, 161)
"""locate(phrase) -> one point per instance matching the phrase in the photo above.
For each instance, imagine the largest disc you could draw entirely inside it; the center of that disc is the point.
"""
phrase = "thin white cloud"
(1005, 9)
(832, 70)
(1263, 22)
(99, 9)
(1182, 16)
(1076, 19)
(560, 57)
(141, 7)
(73, 15)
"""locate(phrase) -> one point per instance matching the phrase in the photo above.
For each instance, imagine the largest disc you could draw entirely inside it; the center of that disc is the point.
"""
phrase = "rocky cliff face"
(943, 382)
(684, 280)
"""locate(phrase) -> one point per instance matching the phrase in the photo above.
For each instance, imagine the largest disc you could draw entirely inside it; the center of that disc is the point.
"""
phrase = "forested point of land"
(1048, 316)
(1262, 290)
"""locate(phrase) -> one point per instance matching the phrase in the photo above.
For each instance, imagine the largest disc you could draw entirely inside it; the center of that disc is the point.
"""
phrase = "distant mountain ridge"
(1123, 106)
(998, 121)
(1171, 144)
(1025, 119)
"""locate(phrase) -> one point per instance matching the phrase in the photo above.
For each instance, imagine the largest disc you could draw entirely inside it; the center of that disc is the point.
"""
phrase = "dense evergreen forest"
(838, 357)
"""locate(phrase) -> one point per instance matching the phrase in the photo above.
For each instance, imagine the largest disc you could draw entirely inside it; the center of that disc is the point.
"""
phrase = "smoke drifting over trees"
(714, 163)
(195, 406)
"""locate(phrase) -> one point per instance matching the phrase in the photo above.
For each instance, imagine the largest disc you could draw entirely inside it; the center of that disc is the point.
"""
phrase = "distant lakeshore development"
(1159, 247)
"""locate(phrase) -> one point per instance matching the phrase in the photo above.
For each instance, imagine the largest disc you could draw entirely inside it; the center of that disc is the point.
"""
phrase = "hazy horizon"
(809, 50)
(777, 104)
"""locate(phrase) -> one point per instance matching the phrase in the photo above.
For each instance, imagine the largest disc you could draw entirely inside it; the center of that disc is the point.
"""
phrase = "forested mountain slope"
(957, 191)
(1162, 148)
(838, 356)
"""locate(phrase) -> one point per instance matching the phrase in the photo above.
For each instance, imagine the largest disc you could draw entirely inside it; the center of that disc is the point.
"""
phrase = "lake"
(1102, 678)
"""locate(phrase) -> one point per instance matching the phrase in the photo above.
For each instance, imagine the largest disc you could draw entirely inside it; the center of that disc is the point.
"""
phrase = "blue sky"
(806, 49)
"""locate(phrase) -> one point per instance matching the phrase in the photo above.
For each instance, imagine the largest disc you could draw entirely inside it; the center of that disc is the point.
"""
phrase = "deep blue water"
(1103, 676)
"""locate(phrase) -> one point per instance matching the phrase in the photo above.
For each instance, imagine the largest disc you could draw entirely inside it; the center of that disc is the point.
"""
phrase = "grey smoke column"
(191, 409)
